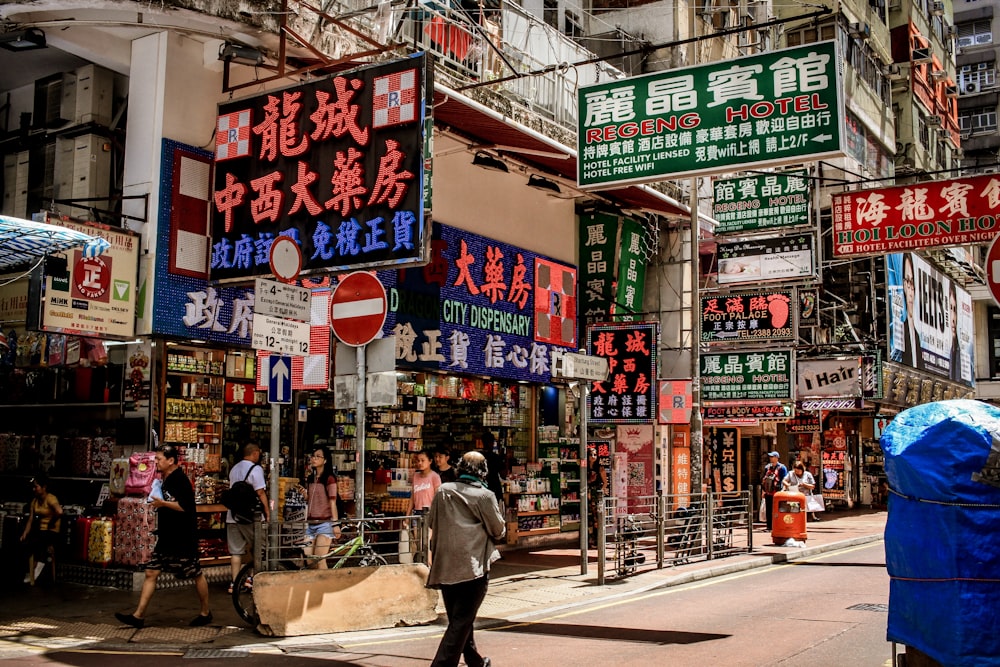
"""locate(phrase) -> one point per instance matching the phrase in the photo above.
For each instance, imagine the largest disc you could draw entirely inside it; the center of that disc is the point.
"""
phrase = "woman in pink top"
(321, 506)
(425, 482)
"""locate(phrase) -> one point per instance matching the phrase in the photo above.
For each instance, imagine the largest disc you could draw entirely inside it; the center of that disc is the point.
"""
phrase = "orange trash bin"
(789, 517)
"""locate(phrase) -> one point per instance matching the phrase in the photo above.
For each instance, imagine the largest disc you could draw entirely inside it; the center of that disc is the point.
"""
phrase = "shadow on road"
(637, 635)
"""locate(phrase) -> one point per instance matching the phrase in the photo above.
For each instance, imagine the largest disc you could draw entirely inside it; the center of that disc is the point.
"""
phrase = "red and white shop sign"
(240, 393)
(311, 372)
(922, 215)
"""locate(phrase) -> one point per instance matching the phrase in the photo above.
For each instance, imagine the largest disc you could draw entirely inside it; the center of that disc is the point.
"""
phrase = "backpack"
(770, 482)
(241, 499)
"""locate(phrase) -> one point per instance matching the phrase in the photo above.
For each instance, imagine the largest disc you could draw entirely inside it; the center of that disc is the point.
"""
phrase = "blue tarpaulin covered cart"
(942, 536)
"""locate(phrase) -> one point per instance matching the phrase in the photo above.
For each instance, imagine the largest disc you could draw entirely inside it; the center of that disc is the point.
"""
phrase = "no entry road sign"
(358, 308)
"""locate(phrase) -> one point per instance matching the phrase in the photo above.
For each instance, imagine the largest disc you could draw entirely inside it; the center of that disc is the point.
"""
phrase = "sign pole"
(272, 513)
(697, 463)
(584, 475)
(359, 429)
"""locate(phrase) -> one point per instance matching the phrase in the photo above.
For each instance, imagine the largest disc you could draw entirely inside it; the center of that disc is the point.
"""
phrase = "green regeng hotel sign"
(768, 109)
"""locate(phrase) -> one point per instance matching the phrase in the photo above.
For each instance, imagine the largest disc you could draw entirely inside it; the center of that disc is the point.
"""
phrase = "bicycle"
(355, 552)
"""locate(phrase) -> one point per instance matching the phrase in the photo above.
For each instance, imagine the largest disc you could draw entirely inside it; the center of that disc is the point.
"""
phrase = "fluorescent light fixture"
(22, 40)
(542, 183)
(487, 161)
(241, 55)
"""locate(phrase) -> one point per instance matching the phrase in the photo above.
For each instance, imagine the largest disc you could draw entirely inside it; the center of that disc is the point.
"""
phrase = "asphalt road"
(826, 611)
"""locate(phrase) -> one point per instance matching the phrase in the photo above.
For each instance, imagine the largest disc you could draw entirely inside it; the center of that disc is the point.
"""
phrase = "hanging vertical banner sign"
(598, 236)
(759, 202)
(631, 272)
(680, 466)
(336, 164)
(778, 107)
(725, 445)
(808, 308)
(674, 401)
(629, 394)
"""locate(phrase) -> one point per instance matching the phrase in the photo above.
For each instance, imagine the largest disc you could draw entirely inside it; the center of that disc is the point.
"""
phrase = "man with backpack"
(774, 473)
(240, 520)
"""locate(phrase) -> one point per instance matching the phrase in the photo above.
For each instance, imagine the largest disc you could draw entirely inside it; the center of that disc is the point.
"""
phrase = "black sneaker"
(129, 619)
(200, 620)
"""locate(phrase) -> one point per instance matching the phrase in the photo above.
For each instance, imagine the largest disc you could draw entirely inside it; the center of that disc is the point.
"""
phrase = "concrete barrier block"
(308, 602)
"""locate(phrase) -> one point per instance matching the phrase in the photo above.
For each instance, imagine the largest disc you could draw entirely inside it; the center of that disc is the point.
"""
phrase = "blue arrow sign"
(279, 382)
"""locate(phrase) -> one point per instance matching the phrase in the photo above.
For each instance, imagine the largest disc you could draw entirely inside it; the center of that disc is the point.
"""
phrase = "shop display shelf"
(539, 512)
(570, 526)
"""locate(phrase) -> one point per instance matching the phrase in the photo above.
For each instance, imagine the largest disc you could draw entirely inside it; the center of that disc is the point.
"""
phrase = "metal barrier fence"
(652, 532)
(366, 542)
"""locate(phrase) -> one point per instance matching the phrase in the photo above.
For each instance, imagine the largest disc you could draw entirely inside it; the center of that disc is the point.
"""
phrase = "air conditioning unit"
(859, 30)
(937, 9)
(921, 56)
(970, 88)
(951, 91)
(893, 72)
(933, 121)
(951, 32)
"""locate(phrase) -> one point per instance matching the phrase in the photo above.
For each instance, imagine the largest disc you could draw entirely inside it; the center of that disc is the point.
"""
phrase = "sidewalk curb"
(702, 574)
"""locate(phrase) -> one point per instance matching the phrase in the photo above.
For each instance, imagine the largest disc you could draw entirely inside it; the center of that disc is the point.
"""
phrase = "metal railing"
(383, 540)
(652, 532)
(472, 47)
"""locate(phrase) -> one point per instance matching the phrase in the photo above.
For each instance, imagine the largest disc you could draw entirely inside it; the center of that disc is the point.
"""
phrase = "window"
(975, 33)
(550, 13)
(810, 35)
(975, 121)
(574, 27)
(974, 79)
(923, 131)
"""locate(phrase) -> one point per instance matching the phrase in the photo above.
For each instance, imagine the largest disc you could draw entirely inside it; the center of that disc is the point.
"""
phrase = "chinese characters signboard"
(923, 215)
(335, 164)
(724, 444)
(760, 202)
(761, 316)
(680, 466)
(189, 307)
(766, 259)
(598, 238)
(629, 394)
(930, 319)
(482, 307)
(634, 444)
(740, 411)
(96, 297)
(631, 272)
(763, 375)
(773, 108)
(804, 423)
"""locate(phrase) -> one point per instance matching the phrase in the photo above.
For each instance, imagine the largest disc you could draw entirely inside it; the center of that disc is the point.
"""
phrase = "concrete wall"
(308, 602)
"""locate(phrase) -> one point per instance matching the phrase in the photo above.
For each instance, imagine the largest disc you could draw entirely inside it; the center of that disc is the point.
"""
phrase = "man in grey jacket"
(465, 523)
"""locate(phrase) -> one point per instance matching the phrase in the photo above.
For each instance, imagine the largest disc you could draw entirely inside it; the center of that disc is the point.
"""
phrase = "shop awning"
(23, 242)
(505, 136)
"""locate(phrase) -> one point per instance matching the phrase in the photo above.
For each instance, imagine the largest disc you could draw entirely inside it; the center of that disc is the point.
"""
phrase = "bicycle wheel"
(243, 595)
(368, 557)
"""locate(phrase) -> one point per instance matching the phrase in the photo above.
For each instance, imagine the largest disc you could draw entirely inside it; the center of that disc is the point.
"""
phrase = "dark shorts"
(180, 567)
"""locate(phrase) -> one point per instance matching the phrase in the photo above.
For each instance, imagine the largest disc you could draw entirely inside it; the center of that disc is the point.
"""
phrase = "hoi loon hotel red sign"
(922, 215)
